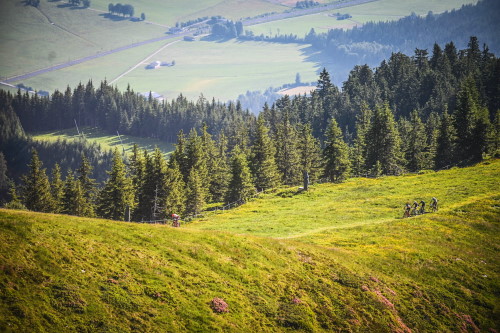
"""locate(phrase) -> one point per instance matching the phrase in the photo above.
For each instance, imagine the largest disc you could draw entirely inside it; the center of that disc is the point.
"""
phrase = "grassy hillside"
(106, 140)
(437, 272)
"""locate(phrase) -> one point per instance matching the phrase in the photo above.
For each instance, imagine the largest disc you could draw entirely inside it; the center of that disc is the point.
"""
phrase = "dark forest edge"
(407, 115)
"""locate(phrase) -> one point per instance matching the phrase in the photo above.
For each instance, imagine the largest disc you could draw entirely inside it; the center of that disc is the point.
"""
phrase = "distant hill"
(337, 258)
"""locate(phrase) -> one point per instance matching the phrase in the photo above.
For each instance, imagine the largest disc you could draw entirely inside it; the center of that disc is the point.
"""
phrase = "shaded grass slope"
(436, 272)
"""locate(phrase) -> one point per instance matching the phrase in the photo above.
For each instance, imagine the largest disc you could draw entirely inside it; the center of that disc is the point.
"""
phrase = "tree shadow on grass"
(114, 18)
(216, 39)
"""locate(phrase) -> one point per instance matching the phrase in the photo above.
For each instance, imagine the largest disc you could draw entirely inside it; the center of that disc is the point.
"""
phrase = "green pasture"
(105, 140)
(328, 209)
(108, 67)
(377, 11)
(29, 42)
(170, 12)
(224, 70)
(433, 273)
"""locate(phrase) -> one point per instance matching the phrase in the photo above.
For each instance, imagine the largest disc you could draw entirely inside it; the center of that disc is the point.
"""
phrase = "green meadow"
(223, 70)
(353, 266)
(105, 140)
(377, 11)
(170, 12)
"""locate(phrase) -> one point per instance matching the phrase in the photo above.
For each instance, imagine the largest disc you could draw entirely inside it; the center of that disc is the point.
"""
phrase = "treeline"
(306, 4)
(408, 114)
(16, 146)
(373, 42)
(127, 112)
(124, 9)
(227, 29)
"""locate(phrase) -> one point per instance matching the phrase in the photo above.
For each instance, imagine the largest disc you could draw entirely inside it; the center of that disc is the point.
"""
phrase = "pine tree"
(384, 143)
(287, 154)
(74, 202)
(175, 202)
(117, 192)
(358, 151)
(445, 149)
(310, 153)
(137, 169)
(240, 186)
(195, 193)
(264, 169)
(432, 132)
(335, 154)
(88, 186)
(36, 187)
(197, 159)
(57, 189)
(219, 172)
(470, 144)
(15, 201)
(417, 144)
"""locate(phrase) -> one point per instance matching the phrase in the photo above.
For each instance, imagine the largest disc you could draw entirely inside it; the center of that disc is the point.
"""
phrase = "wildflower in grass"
(381, 298)
(365, 288)
(374, 279)
(218, 305)
(296, 300)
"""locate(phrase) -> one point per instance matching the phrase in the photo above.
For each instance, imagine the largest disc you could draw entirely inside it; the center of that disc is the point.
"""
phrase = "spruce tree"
(74, 202)
(264, 169)
(219, 172)
(195, 193)
(88, 186)
(432, 132)
(240, 186)
(36, 187)
(117, 193)
(335, 154)
(57, 189)
(417, 144)
(137, 169)
(15, 201)
(465, 121)
(175, 202)
(287, 154)
(384, 143)
(445, 149)
(197, 158)
(358, 151)
(310, 153)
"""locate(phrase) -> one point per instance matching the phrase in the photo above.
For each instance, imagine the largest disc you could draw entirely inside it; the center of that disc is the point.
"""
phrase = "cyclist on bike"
(422, 207)
(407, 210)
(434, 204)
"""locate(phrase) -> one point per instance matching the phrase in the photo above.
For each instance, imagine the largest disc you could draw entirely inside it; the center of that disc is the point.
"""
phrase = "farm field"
(435, 272)
(173, 11)
(381, 10)
(105, 140)
(224, 70)
(105, 68)
(30, 42)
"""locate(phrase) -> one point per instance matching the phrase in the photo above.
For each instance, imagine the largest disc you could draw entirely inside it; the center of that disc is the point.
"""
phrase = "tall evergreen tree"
(88, 186)
(219, 172)
(310, 153)
(264, 169)
(470, 145)
(432, 131)
(117, 192)
(74, 202)
(287, 154)
(240, 186)
(336, 154)
(417, 144)
(57, 189)
(36, 187)
(195, 193)
(358, 151)
(175, 202)
(384, 143)
(445, 149)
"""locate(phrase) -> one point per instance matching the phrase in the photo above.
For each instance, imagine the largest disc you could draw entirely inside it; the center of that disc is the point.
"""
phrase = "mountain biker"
(407, 210)
(414, 206)
(434, 204)
(175, 220)
(422, 207)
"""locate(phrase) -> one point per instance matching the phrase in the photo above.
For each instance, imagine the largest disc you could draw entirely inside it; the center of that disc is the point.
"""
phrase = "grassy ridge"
(436, 272)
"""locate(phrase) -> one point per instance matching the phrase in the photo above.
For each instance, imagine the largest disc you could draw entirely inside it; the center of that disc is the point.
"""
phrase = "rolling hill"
(337, 258)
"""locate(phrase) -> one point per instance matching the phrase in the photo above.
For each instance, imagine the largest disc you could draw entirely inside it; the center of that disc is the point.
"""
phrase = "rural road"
(269, 18)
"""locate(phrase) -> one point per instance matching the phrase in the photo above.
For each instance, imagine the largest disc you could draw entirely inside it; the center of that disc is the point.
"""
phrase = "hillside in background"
(337, 258)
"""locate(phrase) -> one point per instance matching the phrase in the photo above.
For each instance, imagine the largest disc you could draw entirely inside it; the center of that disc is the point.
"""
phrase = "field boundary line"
(143, 61)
